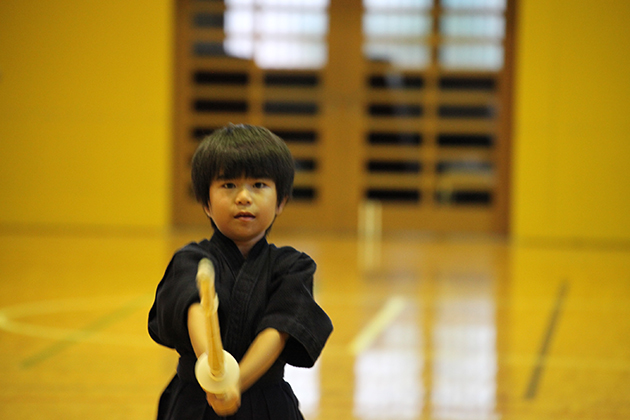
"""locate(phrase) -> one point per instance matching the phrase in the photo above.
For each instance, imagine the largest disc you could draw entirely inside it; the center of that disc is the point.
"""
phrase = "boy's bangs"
(236, 165)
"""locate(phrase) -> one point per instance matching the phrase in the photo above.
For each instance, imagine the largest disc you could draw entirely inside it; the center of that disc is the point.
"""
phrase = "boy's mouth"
(243, 215)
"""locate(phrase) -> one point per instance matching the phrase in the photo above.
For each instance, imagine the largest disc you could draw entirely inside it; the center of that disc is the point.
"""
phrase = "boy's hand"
(225, 404)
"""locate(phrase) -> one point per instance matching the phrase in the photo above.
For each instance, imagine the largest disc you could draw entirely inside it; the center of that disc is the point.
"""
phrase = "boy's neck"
(244, 248)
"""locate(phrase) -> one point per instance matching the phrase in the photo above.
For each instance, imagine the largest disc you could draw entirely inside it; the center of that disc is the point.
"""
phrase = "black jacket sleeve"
(168, 318)
(292, 309)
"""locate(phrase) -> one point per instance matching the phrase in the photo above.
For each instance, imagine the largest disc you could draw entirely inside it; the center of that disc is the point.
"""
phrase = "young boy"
(243, 177)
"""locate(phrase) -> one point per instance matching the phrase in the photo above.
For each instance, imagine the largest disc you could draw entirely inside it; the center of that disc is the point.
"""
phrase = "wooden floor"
(425, 328)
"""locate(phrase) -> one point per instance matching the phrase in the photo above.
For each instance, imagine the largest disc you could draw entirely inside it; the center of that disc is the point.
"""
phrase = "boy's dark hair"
(242, 150)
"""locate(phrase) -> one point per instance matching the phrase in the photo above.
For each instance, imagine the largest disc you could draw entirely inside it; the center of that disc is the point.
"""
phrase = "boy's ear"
(281, 206)
(207, 210)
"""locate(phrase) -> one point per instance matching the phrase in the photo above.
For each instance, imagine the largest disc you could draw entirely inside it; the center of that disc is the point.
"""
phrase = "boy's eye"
(260, 185)
(228, 185)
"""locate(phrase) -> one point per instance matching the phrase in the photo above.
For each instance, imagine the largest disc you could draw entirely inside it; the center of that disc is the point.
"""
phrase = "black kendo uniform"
(272, 288)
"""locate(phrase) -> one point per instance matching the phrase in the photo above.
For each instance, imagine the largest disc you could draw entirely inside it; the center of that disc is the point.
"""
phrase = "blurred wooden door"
(401, 105)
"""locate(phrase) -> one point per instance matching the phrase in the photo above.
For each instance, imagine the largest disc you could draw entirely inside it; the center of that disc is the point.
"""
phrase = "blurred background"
(461, 181)
(534, 102)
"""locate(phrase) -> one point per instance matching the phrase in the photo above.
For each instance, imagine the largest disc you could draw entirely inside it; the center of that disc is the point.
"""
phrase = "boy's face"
(243, 208)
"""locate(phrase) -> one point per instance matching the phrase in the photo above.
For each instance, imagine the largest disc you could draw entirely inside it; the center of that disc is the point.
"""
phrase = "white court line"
(9, 319)
(392, 308)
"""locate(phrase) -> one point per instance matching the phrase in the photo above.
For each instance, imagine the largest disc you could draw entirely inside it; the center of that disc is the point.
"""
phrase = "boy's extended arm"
(197, 329)
(262, 353)
(260, 356)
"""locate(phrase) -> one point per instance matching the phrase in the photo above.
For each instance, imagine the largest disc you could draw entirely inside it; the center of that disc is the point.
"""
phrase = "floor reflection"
(464, 367)
(388, 375)
(306, 385)
(439, 360)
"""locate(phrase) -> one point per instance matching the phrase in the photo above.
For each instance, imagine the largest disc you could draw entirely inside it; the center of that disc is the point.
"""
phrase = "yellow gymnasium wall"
(85, 113)
(571, 133)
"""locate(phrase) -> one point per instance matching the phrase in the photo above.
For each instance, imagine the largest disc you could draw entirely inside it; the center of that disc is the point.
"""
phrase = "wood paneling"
(370, 119)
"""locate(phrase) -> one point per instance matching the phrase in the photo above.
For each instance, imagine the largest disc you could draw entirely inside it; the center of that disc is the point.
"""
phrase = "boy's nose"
(243, 197)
